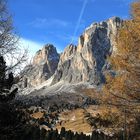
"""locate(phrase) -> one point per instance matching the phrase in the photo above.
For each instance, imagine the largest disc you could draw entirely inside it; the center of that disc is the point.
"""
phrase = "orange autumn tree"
(123, 89)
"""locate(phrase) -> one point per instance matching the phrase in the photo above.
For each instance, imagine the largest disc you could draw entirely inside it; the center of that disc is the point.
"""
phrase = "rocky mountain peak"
(44, 64)
(48, 52)
(68, 53)
(86, 62)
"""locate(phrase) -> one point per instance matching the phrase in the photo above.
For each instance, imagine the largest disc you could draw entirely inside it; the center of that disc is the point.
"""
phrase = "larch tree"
(122, 89)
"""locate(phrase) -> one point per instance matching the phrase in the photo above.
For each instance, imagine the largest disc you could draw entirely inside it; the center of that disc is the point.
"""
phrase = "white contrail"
(79, 20)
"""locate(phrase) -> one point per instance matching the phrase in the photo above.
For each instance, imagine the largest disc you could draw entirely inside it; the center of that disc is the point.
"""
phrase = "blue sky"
(60, 22)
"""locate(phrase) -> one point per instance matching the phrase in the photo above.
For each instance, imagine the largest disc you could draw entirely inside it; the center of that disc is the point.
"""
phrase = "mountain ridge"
(89, 57)
(85, 62)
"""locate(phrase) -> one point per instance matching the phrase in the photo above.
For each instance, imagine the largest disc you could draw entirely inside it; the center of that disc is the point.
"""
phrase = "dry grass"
(93, 93)
(37, 115)
(75, 121)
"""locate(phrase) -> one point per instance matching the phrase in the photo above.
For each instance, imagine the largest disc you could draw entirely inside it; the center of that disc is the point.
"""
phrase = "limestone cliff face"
(87, 61)
(43, 67)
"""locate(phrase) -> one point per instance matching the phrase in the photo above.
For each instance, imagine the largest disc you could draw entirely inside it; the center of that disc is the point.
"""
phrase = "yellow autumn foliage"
(124, 88)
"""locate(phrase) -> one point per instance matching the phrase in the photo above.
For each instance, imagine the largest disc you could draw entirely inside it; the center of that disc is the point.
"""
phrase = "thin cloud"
(23, 45)
(45, 23)
(79, 19)
(67, 38)
(30, 45)
(33, 46)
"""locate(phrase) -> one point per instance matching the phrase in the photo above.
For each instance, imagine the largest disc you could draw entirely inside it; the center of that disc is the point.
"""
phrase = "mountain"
(43, 67)
(88, 61)
(85, 62)
(72, 79)
(67, 90)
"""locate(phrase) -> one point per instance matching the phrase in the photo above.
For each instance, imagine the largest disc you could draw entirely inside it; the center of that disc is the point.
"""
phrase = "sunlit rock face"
(88, 61)
(85, 62)
(44, 64)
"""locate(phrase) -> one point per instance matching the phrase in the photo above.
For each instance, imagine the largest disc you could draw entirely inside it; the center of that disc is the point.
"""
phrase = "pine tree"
(42, 134)
(63, 131)
(6, 83)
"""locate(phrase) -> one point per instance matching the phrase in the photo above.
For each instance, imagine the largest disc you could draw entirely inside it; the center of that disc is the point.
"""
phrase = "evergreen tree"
(63, 131)
(48, 136)
(43, 134)
(6, 83)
